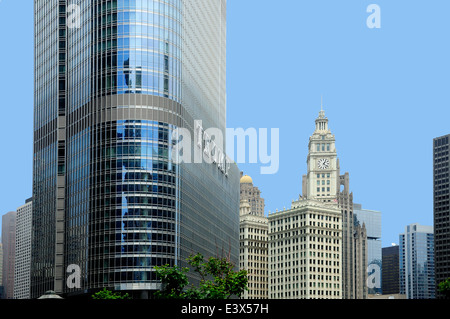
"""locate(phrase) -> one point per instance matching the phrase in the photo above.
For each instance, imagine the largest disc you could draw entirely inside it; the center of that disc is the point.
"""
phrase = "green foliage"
(218, 280)
(444, 287)
(108, 294)
(174, 280)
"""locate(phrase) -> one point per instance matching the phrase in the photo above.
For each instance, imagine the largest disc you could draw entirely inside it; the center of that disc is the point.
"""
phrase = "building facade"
(9, 253)
(1, 272)
(252, 194)
(371, 219)
(390, 271)
(113, 81)
(360, 265)
(417, 271)
(305, 241)
(441, 208)
(305, 251)
(325, 182)
(318, 237)
(253, 238)
(23, 251)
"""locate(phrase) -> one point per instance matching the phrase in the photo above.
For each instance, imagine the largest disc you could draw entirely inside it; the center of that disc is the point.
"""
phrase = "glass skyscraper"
(372, 221)
(417, 262)
(113, 80)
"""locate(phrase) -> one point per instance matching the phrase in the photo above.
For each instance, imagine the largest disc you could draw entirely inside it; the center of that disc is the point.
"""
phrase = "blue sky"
(385, 92)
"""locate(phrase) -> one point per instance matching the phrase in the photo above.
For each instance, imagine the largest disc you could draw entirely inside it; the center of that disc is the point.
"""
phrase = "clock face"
(323, 163)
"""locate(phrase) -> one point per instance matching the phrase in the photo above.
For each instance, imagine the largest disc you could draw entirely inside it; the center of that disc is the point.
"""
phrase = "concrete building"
(305, 241)
(305, 251)
(441, 208)
(417, 272)
(360, 264)
(325, 183)
(9, 253)
(253, 245)
(115, 81)
(23, 251)
(315, 249)
(251, 193)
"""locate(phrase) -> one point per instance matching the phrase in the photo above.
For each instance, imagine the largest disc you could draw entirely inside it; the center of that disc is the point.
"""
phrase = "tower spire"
(322, 112)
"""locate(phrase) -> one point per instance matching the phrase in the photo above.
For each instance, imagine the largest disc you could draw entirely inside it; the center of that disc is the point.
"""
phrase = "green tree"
(174, 280)
(218, 280)
(444, 287)
(108, 294)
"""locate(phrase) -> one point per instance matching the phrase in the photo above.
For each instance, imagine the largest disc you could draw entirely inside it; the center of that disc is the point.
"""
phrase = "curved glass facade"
(133, 202)
(138, 48)
(131, 73)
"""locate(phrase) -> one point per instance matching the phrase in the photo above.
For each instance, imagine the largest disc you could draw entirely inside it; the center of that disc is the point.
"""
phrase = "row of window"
(322, 147)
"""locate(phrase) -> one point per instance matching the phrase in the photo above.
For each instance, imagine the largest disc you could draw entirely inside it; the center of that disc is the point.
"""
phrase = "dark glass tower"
(390, 282)
(441, 208)
(113, 80)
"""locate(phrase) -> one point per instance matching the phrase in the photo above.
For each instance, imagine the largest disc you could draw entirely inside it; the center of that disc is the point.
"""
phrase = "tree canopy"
(218, 280)
(108, 294)
(444, 287)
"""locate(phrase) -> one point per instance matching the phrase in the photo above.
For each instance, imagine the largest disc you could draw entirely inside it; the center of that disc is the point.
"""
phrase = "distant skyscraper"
(253, 237)
(441, 207)
(113, 80)
(252, 194)
(360, 263)
(372, 221)
(23, 251)
(417, 262)
(9, 250)
(390, 270)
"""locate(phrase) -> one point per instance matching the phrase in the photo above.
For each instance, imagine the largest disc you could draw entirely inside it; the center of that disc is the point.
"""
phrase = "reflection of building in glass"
(372, 220)
(417, 262)
(108, 196)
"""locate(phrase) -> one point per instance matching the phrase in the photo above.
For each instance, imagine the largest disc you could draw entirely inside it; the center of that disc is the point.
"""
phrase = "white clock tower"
(322, 179)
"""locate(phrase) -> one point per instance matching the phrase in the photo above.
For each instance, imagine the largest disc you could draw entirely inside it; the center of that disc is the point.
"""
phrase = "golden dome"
(246, 180)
